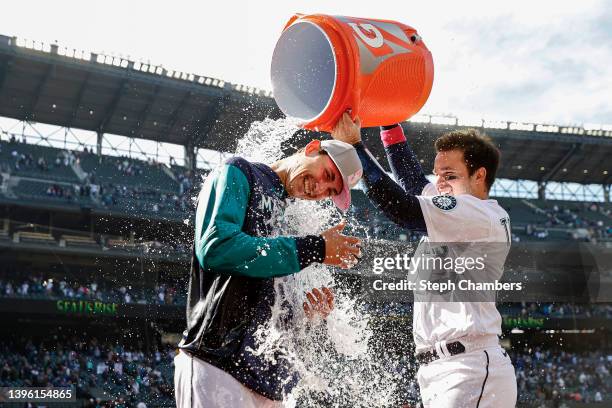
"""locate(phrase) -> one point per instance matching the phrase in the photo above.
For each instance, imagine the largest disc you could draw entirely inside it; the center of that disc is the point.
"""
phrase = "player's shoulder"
(497, 208)
(490, 207)
(458, 218)
(255, 173)
(448, 203)
(464, 206)
(239, 162)
(232, 170)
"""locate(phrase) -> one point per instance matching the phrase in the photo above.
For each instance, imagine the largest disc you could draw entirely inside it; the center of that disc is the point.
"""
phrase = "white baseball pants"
(481, 378)
(198, 384)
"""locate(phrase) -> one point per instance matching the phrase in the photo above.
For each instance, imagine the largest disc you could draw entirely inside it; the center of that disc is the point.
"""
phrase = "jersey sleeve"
(399, 206)
(220, 243)
(460, 218)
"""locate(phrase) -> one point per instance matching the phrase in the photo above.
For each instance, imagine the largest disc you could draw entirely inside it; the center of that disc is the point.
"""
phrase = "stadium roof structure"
(110, 94)
(540, 155)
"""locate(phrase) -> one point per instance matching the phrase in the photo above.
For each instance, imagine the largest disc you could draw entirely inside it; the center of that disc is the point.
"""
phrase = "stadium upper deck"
(107, 94)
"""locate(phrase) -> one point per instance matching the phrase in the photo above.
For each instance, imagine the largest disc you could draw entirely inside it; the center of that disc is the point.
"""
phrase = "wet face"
(314, 177)
(453, 177)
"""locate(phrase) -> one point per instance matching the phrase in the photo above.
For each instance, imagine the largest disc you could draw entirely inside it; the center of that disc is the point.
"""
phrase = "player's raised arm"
(403, 162)
(397, 204)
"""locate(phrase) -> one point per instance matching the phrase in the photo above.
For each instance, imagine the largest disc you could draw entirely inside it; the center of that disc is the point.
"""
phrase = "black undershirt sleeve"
(399, 206)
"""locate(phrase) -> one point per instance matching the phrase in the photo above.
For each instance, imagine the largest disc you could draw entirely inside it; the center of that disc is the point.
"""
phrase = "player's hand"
(341, 250)
(347, 130)
(320, 303)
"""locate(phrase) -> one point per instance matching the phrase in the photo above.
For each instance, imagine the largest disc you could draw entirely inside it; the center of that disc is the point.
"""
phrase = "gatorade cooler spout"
(322, 66)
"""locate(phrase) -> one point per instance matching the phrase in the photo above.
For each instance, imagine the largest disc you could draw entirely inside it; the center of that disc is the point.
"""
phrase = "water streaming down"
(333, 358)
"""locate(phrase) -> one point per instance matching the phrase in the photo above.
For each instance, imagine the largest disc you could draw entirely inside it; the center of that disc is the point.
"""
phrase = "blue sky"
(536, 61)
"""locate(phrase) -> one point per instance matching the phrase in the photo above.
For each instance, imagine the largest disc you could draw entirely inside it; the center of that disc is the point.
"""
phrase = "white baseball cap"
(347, 161)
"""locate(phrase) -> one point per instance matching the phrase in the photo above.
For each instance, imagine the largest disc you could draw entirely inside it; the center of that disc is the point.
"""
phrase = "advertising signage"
(86, 307)
(89, 308)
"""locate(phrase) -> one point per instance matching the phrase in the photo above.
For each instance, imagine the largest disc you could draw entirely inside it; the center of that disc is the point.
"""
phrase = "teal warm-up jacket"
(235, 259)
(224, 245)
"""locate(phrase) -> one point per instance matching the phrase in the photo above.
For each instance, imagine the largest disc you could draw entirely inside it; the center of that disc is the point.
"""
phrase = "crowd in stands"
(575, 219)
(547, 375)
(36, 286)
(127, 167)
(186, 180)
(142, 199)
(23, 160)
(55, 190)
(175, 198)
(105, 374)
(111, 373)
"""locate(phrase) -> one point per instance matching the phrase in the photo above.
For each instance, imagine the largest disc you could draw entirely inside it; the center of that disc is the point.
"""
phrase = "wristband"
(392, 136)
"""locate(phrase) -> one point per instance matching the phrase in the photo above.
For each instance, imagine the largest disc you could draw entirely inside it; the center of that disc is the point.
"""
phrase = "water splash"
(332, 357)
(263, 141)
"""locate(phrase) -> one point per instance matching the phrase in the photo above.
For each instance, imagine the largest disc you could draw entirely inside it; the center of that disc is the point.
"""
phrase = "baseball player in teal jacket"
(237, 257)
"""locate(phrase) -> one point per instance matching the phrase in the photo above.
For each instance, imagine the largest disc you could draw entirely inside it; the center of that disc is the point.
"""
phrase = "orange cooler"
(323, 65)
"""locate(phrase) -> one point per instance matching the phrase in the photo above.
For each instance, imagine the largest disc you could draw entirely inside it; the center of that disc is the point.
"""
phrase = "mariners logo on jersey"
(444, 202)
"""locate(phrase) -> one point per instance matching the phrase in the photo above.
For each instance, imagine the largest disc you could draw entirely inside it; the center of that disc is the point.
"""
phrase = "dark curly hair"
(478, 151)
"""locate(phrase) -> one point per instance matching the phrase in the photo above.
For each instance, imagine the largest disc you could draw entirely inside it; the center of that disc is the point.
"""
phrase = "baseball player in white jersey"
(461, 363)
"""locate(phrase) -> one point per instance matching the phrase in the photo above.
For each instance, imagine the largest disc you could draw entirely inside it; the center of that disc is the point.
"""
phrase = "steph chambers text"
(445, 286)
